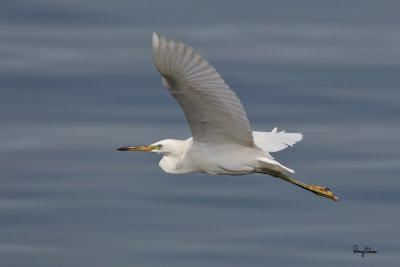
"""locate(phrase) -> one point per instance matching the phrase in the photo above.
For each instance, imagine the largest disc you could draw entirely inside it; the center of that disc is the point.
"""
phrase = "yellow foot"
(322, 191)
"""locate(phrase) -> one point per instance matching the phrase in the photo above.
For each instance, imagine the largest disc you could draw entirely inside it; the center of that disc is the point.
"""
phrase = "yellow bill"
(137, 148)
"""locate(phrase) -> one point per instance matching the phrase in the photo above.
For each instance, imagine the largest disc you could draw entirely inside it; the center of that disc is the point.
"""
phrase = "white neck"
(171, 160)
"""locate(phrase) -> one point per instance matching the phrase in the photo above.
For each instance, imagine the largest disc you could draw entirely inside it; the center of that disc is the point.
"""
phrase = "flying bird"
(223, 142)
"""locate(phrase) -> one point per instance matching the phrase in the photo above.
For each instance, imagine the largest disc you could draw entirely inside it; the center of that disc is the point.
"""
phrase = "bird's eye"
(160, 145)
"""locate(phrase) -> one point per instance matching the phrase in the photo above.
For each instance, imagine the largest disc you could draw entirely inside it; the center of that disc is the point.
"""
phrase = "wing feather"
(213, 110)
(275, 141)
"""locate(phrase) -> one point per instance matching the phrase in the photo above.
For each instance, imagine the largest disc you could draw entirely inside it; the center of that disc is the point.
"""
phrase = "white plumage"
(222, 141)
(212, 109)
(275, 141)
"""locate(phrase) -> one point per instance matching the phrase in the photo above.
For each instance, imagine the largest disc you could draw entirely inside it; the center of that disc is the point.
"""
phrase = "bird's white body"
(219, 159)
(186, 156)
(223, 142)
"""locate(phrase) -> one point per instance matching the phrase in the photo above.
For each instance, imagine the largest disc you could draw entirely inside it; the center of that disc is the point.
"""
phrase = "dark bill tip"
(125, 148)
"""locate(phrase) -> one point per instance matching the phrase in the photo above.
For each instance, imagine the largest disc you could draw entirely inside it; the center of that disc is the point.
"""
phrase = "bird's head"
(164, 147)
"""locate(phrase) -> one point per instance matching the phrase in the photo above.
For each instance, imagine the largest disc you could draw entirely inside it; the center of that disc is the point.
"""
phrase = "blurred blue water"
(77, 80)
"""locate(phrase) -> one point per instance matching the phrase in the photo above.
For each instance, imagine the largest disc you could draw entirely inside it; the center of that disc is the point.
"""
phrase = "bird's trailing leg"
(316, 189)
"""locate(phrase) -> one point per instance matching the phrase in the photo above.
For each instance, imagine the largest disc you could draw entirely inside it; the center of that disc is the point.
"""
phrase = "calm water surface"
(77, 80)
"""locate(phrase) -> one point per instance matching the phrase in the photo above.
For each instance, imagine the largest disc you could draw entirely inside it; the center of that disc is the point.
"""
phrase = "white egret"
(222, 142)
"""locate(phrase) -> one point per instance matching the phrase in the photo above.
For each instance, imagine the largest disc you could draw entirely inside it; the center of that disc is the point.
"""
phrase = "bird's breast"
(217, 159)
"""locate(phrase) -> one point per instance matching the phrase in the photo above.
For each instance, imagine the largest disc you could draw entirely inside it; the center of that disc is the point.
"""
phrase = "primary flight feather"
(222, 141)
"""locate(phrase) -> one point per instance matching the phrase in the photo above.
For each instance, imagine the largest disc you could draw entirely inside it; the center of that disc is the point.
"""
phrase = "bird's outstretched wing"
(275, 141)
(213, 110)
